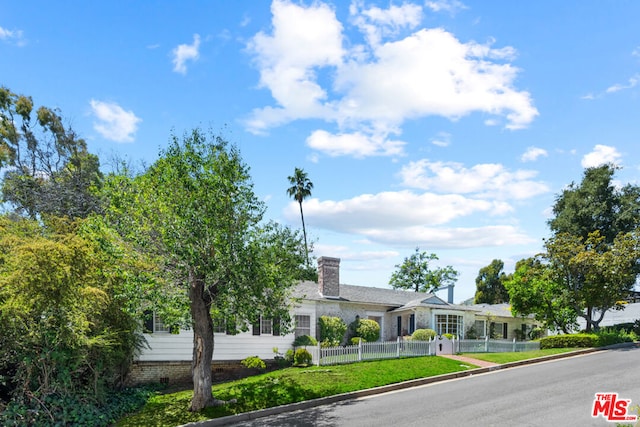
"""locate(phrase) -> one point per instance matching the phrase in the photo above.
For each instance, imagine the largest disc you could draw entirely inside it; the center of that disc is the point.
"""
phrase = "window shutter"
(276, 326)
(256, 328)
(399, 325)
(148, 322)
(412, 323)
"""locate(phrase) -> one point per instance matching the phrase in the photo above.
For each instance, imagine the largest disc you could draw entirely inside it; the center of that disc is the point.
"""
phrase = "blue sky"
(446, 125)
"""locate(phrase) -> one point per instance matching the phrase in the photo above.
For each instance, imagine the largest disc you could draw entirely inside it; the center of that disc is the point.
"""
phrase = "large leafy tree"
(594, 218)
(490, 284)
(48, 169)
(195, 207)
(300, 189)
(574, 278)
(415, 273)
(533, 291)
(597, 204)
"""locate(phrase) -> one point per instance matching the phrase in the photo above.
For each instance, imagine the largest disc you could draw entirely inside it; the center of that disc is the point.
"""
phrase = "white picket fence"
(494, 346)
(371, 351)
(323, 356)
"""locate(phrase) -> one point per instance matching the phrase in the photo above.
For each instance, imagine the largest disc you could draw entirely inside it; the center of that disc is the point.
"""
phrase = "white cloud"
(451, 6)
(184, 53)
(378, 23)
(407, 219)
(356, 144)
(443, 139)
(392, 78)
(533, 153)
(392, 210)
(489, 181)
(451, 238)
(114, 123)
(12, 36)
(631, 83)
(601, 154)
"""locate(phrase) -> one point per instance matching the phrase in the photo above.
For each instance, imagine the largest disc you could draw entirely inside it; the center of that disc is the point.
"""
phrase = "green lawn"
(514, 357)
(288, 386)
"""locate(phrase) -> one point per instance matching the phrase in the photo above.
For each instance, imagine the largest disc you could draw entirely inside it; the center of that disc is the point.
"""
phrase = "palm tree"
(300, 189)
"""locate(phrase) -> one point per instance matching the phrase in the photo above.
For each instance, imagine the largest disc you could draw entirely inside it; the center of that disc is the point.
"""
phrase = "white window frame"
(159, 326)
(266, 326)
(483, 332)
(302, 330)
(459, 324)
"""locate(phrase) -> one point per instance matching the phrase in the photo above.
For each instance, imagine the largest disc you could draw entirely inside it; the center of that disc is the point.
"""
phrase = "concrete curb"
(248, 416)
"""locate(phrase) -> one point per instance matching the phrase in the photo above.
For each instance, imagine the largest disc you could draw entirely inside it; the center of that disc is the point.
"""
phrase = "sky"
(445, 125)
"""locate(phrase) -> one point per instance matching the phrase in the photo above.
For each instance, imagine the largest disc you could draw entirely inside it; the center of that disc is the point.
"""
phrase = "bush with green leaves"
(254, 362)
(332, 331)
(367, 329)
(69, 326)
(304, 340)
(423, 334)
(57, 410)
(302, 357)
(356, 340)
(289, 356)
(598, 339)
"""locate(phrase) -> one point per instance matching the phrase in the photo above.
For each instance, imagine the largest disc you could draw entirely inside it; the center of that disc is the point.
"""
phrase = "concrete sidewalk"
(470, 361)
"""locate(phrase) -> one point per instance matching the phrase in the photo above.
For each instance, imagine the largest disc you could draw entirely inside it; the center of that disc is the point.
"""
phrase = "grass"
(514, 357)
(288, 386)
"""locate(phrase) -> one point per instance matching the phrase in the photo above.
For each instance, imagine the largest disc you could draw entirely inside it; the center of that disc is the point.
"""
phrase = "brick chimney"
(329, 277)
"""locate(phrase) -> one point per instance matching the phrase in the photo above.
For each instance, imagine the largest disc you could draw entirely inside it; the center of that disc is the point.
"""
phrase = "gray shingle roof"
(392, 298)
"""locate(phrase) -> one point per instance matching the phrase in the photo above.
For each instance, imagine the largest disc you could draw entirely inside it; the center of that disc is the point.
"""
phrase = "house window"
(219, 326)
(303, 325)
(158, 324)
(499, 330)
(448, 324)
(266, 326)
(479, 328)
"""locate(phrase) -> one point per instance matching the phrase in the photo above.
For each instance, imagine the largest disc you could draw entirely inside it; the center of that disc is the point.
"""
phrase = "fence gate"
(443, 345)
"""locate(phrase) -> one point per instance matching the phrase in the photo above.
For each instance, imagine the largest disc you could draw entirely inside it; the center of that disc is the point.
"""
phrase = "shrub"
(332, 330)
(254, 362)
(302, 357)
(356, 340)
(423, 334)
(449, 336)
(368, 330)
(289, 356)
(598, 339)
(536, 333)
(569, 340)
(304, 340)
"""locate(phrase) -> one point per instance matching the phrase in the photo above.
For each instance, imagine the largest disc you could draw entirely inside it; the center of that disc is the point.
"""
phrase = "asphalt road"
(555, 393)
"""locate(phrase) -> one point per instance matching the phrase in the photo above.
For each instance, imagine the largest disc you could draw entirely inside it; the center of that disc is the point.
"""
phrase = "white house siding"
(167, 347)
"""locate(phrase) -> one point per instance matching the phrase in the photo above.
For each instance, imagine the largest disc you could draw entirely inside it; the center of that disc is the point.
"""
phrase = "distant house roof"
(496, 310)
(630, 314)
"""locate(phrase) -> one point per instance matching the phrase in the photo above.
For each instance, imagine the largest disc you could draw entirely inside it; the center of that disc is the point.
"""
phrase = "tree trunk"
(588, 319)
(202, 343)
(304, 233)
